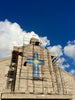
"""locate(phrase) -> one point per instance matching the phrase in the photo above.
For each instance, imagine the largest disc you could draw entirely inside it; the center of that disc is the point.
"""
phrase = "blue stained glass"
(36, 62)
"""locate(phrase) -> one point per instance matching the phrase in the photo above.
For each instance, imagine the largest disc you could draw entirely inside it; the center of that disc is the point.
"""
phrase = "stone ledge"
(29, 96)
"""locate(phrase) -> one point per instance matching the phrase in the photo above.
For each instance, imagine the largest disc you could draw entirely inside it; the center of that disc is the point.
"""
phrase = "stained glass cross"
(36, 62)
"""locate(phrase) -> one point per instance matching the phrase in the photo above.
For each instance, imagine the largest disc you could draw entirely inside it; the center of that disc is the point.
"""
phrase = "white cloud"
(71, 42)
(65, 66)
(69, 51)
(45, 42)
(72, 72)
(61, 61)
(11, 35)
(56, 49)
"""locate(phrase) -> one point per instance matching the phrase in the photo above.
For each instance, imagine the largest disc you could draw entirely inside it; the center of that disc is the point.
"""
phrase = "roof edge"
(5, 58)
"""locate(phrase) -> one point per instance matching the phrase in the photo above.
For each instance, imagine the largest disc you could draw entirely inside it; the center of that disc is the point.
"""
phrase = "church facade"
(31, 73)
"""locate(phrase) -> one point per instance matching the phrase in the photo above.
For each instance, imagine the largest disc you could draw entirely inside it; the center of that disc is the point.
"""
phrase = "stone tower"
(31, 73)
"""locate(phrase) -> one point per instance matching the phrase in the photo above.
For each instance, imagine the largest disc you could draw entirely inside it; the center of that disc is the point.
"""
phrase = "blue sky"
(54, 19)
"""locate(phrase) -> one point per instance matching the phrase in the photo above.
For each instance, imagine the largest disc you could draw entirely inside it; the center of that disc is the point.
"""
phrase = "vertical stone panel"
(54, 84)
(18, 73)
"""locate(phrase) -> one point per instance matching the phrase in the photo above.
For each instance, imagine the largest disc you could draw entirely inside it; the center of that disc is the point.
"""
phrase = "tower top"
(34, 41)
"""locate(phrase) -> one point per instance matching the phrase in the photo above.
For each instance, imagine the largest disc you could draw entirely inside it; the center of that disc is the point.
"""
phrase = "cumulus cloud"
(72, 71)
(11, 34)
(45, 42)
(56, 49)
(61, 61)
(71, 42)
(69, 50)
(65, 66)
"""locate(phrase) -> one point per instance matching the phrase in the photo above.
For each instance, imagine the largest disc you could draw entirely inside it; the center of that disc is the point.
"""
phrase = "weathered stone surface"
(53, 81)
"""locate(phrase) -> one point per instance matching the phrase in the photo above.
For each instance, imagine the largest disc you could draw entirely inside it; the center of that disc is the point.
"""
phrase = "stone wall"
(53, 80)
(4, 67)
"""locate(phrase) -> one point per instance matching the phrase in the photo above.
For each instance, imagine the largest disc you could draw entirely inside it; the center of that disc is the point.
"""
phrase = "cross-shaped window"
(36, 62)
